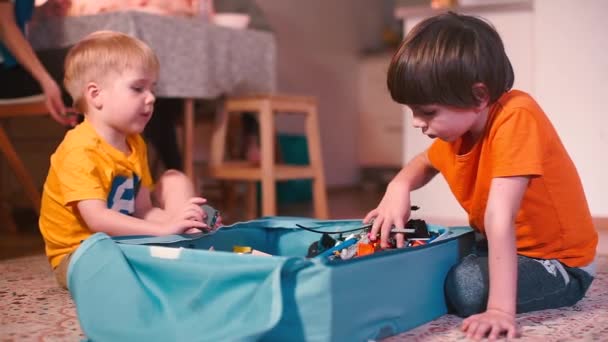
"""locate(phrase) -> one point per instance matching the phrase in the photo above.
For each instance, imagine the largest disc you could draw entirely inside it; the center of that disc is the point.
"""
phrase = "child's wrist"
(400, 185)
(159, 229)
(510, 313)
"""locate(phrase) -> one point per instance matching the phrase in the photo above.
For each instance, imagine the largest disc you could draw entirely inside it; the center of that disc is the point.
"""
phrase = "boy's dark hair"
(443, 57)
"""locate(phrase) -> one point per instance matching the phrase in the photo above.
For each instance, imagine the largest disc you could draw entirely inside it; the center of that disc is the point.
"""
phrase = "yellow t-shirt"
(84, 167)
(553, 221)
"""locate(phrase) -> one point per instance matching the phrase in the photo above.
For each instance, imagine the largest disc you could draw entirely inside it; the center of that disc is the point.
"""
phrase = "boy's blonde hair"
(100, 54)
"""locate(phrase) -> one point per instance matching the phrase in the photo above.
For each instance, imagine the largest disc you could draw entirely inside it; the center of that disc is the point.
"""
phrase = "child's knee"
(173, 178)
(172, 190)
(466, 286)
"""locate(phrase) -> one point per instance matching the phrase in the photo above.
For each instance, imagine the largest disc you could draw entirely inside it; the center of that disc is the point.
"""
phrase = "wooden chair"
(268, 172)
(12, 108)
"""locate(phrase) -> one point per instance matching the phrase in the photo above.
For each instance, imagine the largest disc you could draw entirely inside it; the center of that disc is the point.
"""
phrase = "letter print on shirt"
(122, 194)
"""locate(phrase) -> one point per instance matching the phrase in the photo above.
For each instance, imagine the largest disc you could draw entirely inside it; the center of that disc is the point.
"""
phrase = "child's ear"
(481, 94)
(93, 95)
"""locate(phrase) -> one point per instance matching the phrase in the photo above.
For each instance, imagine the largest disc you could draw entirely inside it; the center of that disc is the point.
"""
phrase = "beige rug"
(33, 308)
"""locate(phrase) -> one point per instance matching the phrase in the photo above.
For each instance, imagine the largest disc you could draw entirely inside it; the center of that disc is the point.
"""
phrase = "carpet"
(33, 308)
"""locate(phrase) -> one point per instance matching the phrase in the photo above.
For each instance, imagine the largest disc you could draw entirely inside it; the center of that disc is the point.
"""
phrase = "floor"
(32, 308)
(344, 203)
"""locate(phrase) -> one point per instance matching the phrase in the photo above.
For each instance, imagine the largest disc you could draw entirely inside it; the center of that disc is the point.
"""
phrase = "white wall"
(317, 47)
(571, 84)
(559, 53)
(319, 44)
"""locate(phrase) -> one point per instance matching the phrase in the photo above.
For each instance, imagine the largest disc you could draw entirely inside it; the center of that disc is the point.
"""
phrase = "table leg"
(267, 134)
(189, 139)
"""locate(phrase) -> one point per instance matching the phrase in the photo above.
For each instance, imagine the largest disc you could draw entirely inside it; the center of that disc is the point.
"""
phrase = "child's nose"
(151, 98)
(417, 122)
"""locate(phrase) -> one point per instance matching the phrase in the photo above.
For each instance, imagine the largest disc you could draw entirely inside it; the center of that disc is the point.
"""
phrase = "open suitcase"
(173, 288)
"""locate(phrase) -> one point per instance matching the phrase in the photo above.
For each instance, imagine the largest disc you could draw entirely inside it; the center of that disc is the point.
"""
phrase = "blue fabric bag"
(173, 288)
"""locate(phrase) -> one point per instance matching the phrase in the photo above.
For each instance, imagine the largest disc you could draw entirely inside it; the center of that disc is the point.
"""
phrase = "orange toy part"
(365, 249)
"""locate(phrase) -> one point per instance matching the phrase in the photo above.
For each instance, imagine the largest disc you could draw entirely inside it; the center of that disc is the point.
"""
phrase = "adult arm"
(15, 41)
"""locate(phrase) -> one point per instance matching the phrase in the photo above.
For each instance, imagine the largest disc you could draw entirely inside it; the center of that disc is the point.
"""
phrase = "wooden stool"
(269, 172)
(12, 108)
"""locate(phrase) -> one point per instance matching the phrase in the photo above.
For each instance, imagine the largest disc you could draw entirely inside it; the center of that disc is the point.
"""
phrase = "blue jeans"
(541, 284)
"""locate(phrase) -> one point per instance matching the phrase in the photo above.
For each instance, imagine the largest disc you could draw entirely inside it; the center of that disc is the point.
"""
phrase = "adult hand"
(54, 103)
(491, 323)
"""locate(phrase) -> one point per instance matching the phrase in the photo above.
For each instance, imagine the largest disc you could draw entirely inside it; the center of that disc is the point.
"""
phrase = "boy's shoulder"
(83, 141)
(516, 103)
(517, 112)
(517, 99)
(80, 138)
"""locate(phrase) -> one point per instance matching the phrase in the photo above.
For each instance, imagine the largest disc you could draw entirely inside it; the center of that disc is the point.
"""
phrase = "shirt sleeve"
(80, 177)
(516, 145)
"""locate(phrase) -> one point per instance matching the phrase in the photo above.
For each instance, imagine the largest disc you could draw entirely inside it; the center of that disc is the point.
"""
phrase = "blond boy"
(99, 180)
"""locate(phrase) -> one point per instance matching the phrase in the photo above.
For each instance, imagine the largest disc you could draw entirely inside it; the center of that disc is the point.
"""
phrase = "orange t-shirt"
(554, 221)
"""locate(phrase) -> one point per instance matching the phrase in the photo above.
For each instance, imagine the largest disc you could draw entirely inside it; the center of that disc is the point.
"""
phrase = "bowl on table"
(232, 20)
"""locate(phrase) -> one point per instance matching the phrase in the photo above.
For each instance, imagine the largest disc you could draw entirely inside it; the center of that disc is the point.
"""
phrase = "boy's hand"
(491, 323)
(191, 216)
(218, 225)
(218, 222)
(212, 217)
(394, 209)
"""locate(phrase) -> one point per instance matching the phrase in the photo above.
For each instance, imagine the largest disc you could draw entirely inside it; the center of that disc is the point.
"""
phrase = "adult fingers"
(72, 116)
(58, 104)
(56, 110)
